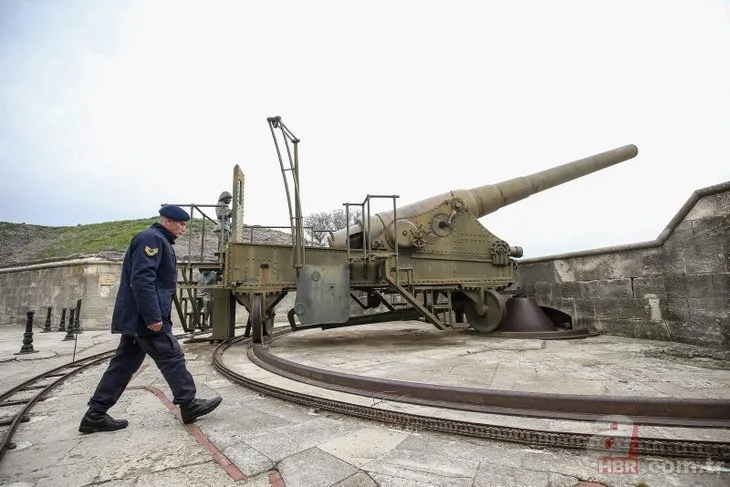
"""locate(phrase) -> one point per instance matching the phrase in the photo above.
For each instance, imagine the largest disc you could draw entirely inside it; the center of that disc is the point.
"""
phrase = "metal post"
(70, 327)
(62, 325)
(298, 236)
(202, 236)
(28, 335)
(395, 240)
(347, 228)
(190, 241)
(47, 328)
(366, 231)
(77, 326)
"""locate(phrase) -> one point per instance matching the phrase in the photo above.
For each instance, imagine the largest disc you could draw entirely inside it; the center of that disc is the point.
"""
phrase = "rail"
(684, 409)
(57, 375)
(366, 243)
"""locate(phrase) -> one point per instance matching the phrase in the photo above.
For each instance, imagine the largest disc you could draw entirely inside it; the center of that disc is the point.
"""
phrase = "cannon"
(382, 232)
(431, 260)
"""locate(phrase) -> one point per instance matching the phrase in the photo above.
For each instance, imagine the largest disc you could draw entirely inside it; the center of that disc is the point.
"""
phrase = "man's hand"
(155, 326)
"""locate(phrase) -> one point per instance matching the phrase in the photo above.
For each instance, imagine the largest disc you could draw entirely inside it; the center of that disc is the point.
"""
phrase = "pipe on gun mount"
(486, 199)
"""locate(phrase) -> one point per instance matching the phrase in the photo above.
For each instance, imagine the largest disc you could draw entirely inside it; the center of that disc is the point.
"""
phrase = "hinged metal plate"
(323, 294)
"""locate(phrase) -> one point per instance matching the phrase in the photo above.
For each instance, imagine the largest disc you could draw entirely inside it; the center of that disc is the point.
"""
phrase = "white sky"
(109, 108)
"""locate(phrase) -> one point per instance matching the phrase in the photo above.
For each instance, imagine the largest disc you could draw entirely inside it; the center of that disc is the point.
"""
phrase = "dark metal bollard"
(77, 326)
(47, 328)
(62, 325)
(70, 327)
(28, 335)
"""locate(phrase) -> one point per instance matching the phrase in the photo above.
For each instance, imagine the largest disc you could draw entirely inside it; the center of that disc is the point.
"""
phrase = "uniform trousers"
(164, 349)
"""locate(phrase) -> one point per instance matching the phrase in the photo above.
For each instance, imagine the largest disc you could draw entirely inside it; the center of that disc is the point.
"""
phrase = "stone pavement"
(601, 365)
(256, 441)
(414, 351)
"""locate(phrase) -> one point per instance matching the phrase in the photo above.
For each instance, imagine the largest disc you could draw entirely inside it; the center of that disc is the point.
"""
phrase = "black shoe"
(96, 421)
(197, 408)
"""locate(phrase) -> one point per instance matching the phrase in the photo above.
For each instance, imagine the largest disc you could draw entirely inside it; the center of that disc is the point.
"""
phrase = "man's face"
(176, 227)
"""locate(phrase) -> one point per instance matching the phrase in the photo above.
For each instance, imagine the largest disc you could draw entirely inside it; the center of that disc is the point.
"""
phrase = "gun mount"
(430, 260)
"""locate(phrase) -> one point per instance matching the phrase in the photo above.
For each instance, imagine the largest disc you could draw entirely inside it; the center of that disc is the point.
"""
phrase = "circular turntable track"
(677, 412)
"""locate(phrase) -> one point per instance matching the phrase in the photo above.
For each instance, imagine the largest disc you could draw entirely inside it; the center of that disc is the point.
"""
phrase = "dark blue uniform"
(146, 289)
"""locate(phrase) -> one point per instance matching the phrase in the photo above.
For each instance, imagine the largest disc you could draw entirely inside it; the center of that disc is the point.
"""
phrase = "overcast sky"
(110, 108)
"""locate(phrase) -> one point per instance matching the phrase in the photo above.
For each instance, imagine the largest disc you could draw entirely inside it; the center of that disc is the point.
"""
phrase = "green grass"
(91, 239)
(25, 243)
(38, 242)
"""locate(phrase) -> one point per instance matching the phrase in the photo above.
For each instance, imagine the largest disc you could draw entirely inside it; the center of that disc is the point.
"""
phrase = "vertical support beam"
(298, 230)
(237, 205)
(223, 314)
(181, 313)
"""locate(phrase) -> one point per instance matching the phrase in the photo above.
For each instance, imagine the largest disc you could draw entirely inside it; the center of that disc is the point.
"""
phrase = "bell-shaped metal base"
(525, 319)
(524, 315)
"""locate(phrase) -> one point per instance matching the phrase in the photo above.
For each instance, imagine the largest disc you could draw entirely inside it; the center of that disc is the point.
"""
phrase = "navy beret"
(174, 213)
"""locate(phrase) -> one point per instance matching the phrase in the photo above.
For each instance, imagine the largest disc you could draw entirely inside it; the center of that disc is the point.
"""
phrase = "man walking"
(142, 315)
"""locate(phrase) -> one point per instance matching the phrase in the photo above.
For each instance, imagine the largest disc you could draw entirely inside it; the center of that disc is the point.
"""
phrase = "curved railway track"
(58, 376)
(676, 412)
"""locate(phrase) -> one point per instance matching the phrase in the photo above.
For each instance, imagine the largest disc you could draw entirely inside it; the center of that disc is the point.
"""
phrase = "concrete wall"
(60, 284)
(674, 288)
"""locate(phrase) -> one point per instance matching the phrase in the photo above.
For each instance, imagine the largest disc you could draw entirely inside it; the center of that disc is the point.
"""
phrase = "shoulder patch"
(150, 251)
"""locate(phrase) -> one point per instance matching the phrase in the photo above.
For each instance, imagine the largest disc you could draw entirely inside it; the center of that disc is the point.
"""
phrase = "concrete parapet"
(676, 287)
(56, 284)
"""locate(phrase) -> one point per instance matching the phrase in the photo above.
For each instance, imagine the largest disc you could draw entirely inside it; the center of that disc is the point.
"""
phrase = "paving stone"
(113, 483)
(314, 468)
(504, 476)
(425, 467)
(248, 460)
(394, 481)
(430, 458)
(360, 479)
(279, 443)
(217, 427)
(200, 475)
(34, 462)
(261, 480)
(364, 445)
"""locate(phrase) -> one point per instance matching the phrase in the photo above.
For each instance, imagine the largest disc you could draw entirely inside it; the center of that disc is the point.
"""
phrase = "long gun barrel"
(486, 199)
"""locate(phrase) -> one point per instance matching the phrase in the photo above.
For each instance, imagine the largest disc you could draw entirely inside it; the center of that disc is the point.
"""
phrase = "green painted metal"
(433, 256)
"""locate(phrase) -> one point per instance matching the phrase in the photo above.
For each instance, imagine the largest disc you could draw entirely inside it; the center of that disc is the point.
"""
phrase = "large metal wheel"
(257, 318)
(489, 321)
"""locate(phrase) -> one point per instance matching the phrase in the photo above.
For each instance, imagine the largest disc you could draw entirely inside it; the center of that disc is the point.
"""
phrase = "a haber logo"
(616, 441)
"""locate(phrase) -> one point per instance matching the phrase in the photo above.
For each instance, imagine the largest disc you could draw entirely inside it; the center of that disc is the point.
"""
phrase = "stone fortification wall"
(674, 288)
(60, 284)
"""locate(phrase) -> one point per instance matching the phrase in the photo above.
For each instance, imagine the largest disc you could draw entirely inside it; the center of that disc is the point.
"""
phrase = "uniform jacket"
(147, 286)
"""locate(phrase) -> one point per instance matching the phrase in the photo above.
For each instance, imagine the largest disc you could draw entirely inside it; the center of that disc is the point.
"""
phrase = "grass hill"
(21, 243)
